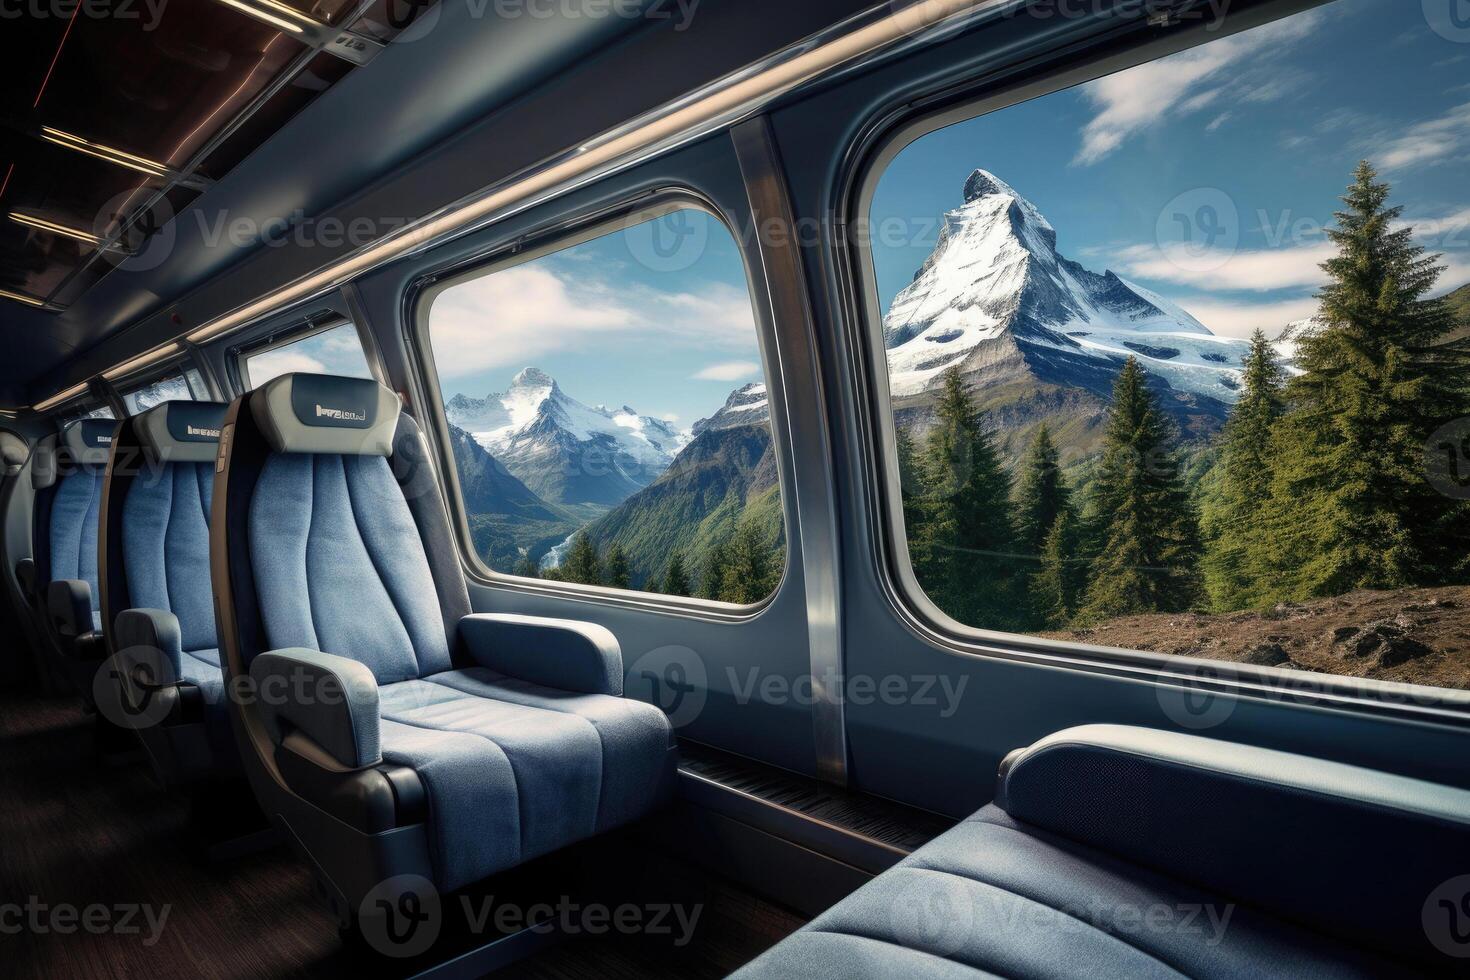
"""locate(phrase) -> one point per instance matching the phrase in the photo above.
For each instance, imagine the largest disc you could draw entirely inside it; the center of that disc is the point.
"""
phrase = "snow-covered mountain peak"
(747, 405)
(532, 377)
(995, 286)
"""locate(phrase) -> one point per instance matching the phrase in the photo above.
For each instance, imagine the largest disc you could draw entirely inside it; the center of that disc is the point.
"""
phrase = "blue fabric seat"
(69, 505)
(157, 597)
(1119, 875)
(514, 727)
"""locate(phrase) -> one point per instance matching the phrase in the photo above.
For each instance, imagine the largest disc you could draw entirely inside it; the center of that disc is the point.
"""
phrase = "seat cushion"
(514, 770)
(340, 567)
(166, 547)
(72, 537)
(993, 897)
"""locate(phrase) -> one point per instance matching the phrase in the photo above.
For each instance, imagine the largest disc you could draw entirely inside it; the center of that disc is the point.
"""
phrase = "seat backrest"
(69, 497)
(328, 480)
(156, 508)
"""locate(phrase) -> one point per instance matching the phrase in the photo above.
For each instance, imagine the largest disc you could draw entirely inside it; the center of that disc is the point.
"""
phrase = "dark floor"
(89, 851)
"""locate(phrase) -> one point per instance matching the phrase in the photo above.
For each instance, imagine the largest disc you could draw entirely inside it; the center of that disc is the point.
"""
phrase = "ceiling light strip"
(274, 19)
(54, 228)
(742, 92)
(21, 298)
(102, 151)
(143, 360)
(62, 397)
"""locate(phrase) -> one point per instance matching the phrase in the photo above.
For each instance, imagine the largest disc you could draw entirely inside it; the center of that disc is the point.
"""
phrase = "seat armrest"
(560, 653)
(149, 653)
(332, 700)
(25, 577)
(69, 607)
(1296, 835)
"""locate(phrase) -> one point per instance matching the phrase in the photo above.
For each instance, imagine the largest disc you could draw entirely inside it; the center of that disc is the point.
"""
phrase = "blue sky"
(1262, 130)
(656, 316)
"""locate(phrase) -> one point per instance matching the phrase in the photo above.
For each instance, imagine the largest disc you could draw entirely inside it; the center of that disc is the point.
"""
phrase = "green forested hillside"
(722, 477)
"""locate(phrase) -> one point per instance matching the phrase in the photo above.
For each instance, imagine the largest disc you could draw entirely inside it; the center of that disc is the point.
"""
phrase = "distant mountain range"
(564, 451)
(1036, 337)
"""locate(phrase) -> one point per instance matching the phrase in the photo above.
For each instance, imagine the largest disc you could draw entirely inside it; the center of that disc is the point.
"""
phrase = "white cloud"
(1131, 101)
(1234, 319)
(519, 315)
(728, 371)
(274, 363)
(1218, 121)
(1220, 269)
(1427, 142)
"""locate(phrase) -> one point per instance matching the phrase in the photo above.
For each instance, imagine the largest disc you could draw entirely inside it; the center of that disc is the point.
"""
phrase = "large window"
(608, 417)
(188, 385)
(1183, 366)
(334, 350)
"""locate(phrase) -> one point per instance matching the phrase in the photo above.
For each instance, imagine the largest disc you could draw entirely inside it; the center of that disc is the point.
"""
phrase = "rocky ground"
(1415, 636)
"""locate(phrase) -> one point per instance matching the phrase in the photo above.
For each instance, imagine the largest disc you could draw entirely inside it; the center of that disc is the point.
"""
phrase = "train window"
(188, 385)
(335, 350)
(94, 412)
(607, 413)
(1182, 367)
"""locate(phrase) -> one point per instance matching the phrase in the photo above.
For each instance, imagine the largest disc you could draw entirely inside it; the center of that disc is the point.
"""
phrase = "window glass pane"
(173, 388)
(1182, 367)
(608, 417)
(197, 387)
(337, 350)
(98, 412)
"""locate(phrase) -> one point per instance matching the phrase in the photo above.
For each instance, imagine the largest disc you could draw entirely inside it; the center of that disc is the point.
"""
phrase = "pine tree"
(712, 573)
(965, 546)
(618, 575)
(1352, 506)
(749, 573)
(582, 564)
(1041, 495)
(1233, 515)
(676, 576)
(526, 568)
(1062, 580)
(1144, 532)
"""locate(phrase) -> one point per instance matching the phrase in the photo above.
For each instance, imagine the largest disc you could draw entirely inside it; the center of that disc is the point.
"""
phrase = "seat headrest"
(181, 431)
(14, 451)
(89, 441)
(324, 413)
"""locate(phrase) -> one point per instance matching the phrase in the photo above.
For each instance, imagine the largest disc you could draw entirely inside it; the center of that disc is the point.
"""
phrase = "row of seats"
(270, 589)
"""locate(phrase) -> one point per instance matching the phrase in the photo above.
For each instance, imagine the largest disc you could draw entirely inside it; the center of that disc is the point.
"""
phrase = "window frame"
(181, 366)
(294, 331)
(549, 239)
(886, 132)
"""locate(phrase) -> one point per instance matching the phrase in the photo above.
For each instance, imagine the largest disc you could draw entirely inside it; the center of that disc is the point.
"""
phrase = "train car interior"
(701, 488)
